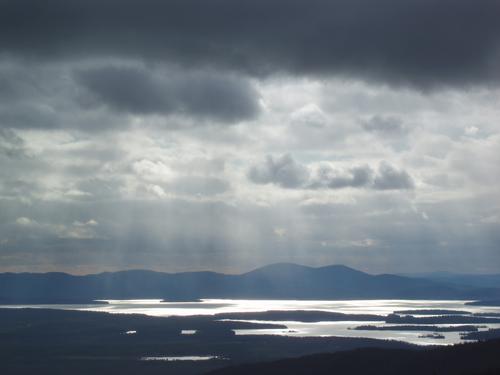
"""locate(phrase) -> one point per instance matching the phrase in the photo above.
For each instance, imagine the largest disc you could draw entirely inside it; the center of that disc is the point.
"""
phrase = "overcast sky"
(224, 135)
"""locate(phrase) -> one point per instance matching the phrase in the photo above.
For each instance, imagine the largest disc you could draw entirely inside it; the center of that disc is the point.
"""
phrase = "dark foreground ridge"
(278, 281)
(47, 341)
(466, 359)
(50, 341)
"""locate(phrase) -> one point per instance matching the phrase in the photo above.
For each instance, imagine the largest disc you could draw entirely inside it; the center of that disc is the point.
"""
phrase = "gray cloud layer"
(115, 149)
(90, 95)
(420, 42)
(138, 91)
(386, 126)
(286, 172)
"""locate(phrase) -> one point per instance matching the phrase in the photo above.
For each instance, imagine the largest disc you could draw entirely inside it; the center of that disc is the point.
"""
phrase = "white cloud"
(24, 221)
(471, 130)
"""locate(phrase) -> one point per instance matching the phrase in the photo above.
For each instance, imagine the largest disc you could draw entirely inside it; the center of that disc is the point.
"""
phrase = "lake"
(336, 328)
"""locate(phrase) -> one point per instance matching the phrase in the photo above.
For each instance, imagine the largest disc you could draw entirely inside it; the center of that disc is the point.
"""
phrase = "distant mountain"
(476, 280)
(276, 281)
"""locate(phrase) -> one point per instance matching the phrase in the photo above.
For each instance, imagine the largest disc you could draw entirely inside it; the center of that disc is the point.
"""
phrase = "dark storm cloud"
(14, 86)
(284, 171)
(29, 115)
(420, 42)
(73, 95)
(23, 98)
(139, 91)
(126, 89)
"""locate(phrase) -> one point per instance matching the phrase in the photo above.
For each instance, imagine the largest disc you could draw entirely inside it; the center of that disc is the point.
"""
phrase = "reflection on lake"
(344, 329)
(155, 307)
(181, 358)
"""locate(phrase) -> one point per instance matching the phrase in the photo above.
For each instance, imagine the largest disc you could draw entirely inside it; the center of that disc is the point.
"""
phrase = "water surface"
(155, 307)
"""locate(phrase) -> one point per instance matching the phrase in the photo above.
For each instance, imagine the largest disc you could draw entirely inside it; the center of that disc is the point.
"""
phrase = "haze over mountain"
(278, 281)
(478, 280)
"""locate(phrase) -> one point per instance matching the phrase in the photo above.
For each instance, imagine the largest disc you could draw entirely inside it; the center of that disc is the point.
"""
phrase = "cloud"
(114, 136)
(126, 89)
(76, 230)
(328, 177)
(188, 235)
(153, 170)
(160, 178)
(29, 115)
(199, 185)
(98, 188)
(24, 221)
(42, 96)
(284, 171)
(93, 95)
(471, 131)
(384, 125)
(201, 95)
(309, 116)
(11, 145)
(391, 178)
(422, 43)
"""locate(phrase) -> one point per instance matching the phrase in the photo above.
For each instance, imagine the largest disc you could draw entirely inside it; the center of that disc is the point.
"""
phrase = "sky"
(224, 135)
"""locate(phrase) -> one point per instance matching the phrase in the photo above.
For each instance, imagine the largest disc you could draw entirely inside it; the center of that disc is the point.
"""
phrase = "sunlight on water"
(344, 329)
(216, 306)
(155, 307)
(181, 358)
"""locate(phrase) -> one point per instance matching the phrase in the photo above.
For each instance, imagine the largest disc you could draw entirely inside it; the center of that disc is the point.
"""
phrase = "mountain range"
(276, 281)
(477, 280)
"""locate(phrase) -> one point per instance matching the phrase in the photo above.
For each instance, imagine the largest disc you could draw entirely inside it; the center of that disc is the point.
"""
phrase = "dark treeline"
(465, 359)
(482, 335)
(441, 319)
(458, 328)
(487, 302)
(301, 316)
(432, 312)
